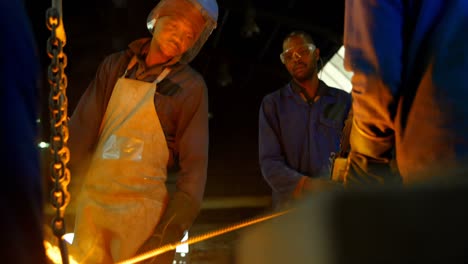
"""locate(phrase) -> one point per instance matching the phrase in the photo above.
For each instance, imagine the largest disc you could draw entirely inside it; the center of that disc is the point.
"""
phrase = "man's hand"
(152, 243)
(178, 217)
(162, 236)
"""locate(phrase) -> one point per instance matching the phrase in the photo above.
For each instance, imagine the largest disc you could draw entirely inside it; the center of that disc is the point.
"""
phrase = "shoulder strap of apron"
(160, 77)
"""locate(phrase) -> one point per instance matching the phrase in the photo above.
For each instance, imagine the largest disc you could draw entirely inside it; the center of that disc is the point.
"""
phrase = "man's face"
(176, 34)
(299, 58)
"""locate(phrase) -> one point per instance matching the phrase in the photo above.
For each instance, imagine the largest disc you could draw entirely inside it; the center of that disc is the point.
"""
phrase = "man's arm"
(85, 122)
(192, 156)
(276, 172)
(373, 51)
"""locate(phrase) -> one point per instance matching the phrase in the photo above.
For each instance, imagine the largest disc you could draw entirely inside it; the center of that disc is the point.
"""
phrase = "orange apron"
(124, 193)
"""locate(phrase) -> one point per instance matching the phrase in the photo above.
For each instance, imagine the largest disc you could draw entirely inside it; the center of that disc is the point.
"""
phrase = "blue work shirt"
(22, 201)
(296, 139)
(410, 62)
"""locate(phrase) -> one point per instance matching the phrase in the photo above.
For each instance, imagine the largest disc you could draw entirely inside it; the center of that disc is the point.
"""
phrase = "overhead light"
(250, 27)
(224, 76)
(43, 145)
(334, 73)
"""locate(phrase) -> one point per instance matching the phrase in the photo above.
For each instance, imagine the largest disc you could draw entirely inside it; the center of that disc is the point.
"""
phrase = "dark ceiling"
(240, 64)
(242, 55)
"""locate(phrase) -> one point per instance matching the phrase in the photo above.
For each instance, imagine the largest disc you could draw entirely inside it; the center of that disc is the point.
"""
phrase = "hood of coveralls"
(208, 9)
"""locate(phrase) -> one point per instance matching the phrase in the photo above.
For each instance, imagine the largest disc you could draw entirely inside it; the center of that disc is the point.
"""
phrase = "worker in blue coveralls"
(22, 196)
(300, 125)
(409, 89)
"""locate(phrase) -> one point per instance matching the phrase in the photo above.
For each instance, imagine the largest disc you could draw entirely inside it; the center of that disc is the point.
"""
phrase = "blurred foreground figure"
(146, 112)
(410, 64)
(21, 198)
(385, 225)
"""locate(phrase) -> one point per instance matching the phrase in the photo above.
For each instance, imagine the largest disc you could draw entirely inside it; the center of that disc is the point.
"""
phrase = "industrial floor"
(222, 249)
(220, 226)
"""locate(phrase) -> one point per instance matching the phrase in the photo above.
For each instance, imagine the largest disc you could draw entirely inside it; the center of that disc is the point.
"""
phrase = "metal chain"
(58, 104)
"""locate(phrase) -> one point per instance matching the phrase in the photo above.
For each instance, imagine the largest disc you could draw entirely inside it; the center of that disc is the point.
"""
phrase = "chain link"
(58, 104)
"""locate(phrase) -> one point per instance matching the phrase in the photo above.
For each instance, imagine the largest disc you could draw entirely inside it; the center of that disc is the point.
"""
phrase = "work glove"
(369, 161)
(177, 218)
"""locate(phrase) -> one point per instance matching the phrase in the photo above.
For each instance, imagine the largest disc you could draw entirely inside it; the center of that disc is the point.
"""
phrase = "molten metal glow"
(53, 253)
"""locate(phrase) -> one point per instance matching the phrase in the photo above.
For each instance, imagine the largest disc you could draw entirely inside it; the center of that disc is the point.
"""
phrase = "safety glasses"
(296, 53)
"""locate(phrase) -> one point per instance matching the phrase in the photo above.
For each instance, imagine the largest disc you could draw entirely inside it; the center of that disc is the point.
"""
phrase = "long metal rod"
(196, 239)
